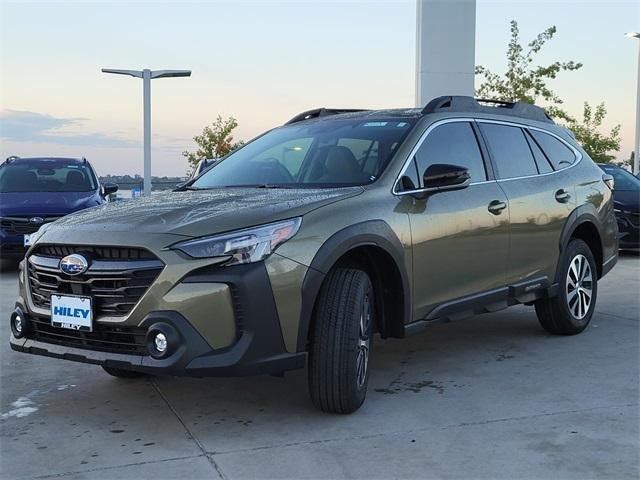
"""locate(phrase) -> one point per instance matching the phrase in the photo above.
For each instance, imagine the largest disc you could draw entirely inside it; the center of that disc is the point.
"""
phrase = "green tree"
(215, 141)
(523, 80)
(599, 146)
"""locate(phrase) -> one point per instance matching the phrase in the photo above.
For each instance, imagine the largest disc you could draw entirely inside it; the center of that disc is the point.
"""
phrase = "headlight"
(243, 246)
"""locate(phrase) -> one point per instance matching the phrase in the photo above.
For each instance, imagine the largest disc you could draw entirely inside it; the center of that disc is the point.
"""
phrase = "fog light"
(160, 342)
(19, 324)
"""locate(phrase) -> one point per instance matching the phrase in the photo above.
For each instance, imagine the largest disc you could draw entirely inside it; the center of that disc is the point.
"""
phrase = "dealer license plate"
(72, 312)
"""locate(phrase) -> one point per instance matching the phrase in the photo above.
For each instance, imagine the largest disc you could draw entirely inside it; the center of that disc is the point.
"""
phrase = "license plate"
(27, 240)
(72, 312)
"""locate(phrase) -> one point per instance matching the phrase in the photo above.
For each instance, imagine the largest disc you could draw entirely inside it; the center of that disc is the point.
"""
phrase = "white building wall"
(445, 48)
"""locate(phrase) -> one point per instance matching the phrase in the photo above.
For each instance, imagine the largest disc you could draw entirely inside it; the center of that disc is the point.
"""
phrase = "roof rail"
(459, 103)
(322, 112)
(11, 159)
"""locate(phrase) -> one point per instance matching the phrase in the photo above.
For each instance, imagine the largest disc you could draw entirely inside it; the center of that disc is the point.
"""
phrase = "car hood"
(628, 200)
(45, 203)
(197, 213)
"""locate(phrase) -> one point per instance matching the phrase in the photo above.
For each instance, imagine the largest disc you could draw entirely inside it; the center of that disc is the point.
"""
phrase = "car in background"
(626, 204)
(36, 191)
(203, 165)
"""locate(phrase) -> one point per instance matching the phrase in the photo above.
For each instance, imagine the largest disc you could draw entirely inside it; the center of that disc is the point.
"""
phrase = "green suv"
(297, 248)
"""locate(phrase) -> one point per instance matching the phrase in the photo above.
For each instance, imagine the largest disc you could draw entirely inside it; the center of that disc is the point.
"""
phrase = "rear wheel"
(341, 341)
(571, 310)
(122, 373)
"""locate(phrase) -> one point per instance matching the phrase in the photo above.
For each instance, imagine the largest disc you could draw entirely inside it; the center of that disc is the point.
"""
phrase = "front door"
(460, 238)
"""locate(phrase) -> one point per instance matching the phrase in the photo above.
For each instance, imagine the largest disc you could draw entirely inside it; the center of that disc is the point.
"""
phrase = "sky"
(262, 62)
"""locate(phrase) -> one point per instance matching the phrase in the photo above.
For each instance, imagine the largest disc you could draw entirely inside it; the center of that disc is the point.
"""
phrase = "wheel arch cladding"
(583, 224)
(374, 247)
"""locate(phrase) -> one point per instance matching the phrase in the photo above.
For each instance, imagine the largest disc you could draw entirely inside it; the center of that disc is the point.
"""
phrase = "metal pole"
(147, 75)
(636, 162)
(146, 94)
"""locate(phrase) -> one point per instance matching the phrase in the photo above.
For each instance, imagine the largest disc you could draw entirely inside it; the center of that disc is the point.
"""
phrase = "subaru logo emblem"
(36, 220)
(74, 264)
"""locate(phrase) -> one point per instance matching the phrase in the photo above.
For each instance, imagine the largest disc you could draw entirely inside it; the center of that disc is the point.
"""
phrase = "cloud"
(23, 126)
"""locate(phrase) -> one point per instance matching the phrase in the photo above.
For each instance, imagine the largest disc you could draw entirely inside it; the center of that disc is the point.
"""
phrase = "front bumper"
(12, 246)
(205, 345)
(629, 231)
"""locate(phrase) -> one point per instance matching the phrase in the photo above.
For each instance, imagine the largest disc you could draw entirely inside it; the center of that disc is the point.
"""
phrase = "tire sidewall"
(577, 247)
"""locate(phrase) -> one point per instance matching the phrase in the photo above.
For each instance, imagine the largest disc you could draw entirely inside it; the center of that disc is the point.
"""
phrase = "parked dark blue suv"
(626, 204)
(35, 191)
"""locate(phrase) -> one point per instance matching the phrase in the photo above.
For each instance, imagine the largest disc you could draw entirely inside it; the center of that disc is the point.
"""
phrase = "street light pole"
(146, 107)
(147, 75)
(636, 157)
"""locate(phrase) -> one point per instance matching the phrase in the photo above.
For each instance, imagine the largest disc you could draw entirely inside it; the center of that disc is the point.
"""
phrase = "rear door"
(541, 196)
(460, 238)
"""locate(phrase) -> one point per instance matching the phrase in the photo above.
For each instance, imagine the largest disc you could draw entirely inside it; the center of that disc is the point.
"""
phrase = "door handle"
(562, 196)
(497, 206)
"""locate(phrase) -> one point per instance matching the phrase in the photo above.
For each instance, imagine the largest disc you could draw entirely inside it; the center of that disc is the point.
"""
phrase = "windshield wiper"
(262, 185)
(184, 188)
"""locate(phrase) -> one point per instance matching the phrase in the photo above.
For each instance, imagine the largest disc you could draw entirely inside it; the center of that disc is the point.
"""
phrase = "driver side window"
(452, 143)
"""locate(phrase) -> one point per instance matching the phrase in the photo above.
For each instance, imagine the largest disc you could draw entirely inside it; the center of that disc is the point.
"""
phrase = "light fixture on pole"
(147, 75)
(636, 162)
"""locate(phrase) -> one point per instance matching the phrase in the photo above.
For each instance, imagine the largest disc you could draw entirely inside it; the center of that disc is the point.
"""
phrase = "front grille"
(116, 279)
(98, 253)
(23, 225)
(106, 338)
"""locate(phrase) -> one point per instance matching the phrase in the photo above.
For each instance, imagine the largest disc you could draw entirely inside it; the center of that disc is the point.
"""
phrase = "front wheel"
(341, 341)
(571, 310)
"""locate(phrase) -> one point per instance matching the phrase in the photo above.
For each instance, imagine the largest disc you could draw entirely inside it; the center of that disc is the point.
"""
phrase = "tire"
(341, 341)
(569, 312)
(122, 373)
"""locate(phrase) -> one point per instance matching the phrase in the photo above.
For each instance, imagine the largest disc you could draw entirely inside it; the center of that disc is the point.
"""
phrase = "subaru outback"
(297, 248)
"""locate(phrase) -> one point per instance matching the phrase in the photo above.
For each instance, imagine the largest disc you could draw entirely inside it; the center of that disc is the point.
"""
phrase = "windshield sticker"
(402, 124)
(375, 124)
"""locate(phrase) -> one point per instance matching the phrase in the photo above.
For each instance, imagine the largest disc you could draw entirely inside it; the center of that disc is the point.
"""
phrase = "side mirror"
(108, 188)
(442, 176)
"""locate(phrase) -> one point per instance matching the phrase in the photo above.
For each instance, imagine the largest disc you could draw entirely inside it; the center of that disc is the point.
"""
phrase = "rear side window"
(557, 152)
(509, 150)
(455, 144)
(544, 166)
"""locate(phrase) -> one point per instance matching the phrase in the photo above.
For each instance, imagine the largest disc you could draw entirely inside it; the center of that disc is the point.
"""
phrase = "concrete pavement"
(492, 396)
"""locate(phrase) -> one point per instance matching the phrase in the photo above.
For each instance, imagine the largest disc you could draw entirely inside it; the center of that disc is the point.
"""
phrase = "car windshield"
(328, 153)
(46, 176)
(623, 179)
